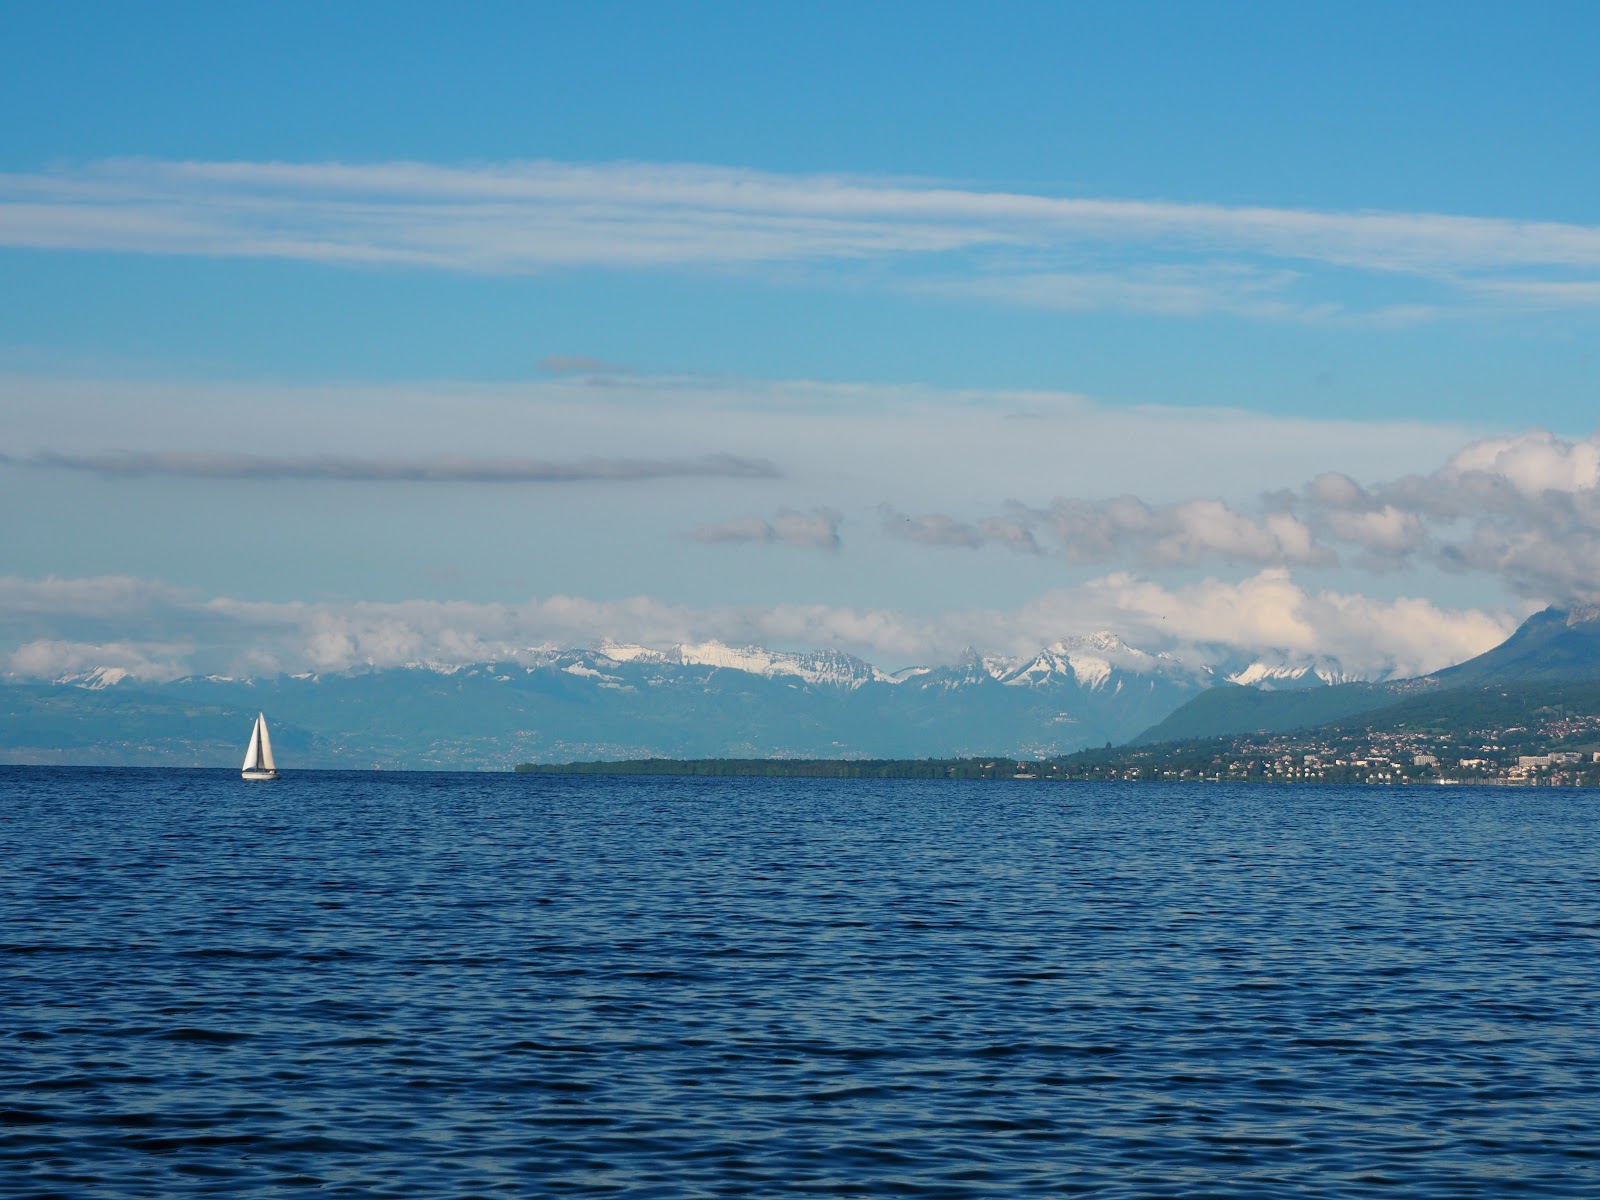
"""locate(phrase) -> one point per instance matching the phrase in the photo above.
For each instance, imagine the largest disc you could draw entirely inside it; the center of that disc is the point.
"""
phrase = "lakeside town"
(1535, 735)
(1560, 749)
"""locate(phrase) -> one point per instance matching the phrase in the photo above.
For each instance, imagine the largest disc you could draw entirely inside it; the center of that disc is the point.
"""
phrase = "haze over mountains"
(629, 701)
(710, 700)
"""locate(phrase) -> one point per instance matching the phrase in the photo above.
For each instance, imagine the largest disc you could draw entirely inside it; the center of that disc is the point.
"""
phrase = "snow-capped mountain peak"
(829, 667)
(96, 678)
(1094, 661)
(619, 652)
(1282, 676)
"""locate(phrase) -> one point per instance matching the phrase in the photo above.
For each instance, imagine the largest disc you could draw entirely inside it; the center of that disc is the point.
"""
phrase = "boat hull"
(257, 774)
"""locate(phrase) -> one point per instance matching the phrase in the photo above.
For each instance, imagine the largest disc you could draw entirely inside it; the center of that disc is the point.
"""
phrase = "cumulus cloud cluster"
(1524, 508)
(1196, 531)
(521, 217)
(55, 658)
(1268, 615)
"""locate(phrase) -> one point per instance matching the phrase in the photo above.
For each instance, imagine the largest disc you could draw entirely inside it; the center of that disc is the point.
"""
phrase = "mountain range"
(621, 701)
(709, 700)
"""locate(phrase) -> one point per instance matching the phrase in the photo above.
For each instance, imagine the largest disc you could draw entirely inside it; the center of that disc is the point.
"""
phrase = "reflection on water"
(405, 985)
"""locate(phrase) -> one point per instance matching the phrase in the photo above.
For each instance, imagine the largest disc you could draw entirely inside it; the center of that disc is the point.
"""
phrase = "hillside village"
(1555, 747)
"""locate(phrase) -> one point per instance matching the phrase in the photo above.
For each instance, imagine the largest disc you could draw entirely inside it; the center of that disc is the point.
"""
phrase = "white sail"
(258, 762)
(253, 754)
(266, 743)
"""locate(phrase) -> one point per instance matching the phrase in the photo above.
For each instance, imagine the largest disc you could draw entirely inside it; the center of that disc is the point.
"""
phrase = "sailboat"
(258, 762)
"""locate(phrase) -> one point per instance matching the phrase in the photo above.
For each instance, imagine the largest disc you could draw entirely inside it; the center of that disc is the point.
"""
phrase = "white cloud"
(51, 658)
(1268, 614)
(1124, 529)
(933, 529)
(1385, 531)
(1524, 508)
(1171, 290)
(103, 595)
(1154, 256)
(1534, 462)
(942, 468)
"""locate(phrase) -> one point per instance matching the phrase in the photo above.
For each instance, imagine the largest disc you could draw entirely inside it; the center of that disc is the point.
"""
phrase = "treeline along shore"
(806, 768)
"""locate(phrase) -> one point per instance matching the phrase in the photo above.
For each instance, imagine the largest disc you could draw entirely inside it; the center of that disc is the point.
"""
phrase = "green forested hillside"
(1231, 709)
(1552, 649)
(1504, 709)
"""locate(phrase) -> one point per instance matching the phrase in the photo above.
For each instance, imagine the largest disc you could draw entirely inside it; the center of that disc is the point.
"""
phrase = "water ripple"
(406, 985)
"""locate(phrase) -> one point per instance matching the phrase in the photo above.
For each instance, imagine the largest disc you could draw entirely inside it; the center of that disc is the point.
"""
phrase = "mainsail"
(258, 761)
(266, 744)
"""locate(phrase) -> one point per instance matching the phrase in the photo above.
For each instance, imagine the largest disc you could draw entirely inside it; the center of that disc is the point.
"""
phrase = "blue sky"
(348, 333)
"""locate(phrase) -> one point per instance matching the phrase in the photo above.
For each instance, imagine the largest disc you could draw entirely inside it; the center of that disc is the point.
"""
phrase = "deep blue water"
(470, 985)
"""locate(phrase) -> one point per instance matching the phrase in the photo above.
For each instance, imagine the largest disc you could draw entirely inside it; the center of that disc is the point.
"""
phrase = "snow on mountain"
(823, 667)
(1282, 676)
(705, 699)
(970, 668)
(752, 659)
(827, 667)
(1048, 666)
(438, 668)
(588, 672)
(96, 678)
(995, 666)
(1094, 660)
(617, 652)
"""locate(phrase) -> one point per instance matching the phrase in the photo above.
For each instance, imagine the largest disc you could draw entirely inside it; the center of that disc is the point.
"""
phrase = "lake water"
(472, 985)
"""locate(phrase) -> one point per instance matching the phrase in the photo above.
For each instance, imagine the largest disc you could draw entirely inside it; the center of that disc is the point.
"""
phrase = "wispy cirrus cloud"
(193, 465)
(1170, 289)
(1165, 257)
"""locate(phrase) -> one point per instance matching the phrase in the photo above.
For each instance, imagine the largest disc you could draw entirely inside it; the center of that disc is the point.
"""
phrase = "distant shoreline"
(1054, 771)
(807, 768)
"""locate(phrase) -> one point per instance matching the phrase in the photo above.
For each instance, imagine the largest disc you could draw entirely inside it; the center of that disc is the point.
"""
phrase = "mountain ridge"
(1554, 645)
(612, 701)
